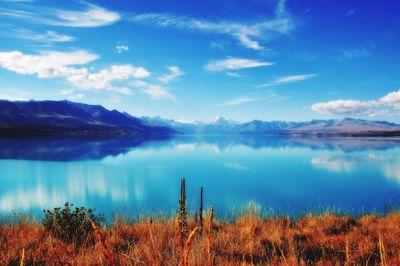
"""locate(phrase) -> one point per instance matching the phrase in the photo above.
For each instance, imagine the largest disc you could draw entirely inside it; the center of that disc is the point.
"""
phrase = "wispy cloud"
(13, 96)
(233, 74)
(54, 64)
(350, 12)
(241, 100)
(287, 80)
(175, 72)
(72, 94)
(234, 63)
(356, 53)
(91, 16)
(386, 105)
(49, 37)
(155, 92)
(249, 34)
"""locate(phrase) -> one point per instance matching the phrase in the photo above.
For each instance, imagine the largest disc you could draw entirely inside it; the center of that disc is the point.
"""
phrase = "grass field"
(250, 240)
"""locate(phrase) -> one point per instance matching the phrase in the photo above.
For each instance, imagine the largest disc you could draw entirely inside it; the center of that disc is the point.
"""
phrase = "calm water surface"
(280, 175)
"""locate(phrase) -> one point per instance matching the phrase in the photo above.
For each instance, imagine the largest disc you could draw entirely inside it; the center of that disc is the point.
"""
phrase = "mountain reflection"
(70, 149)
(77, 149)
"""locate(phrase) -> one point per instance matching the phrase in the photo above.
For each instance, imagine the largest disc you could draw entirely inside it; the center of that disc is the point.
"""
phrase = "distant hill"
(65, 118)
(333, 127)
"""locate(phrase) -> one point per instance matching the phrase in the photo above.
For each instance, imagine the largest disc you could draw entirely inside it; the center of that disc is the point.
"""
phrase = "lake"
(281, 176)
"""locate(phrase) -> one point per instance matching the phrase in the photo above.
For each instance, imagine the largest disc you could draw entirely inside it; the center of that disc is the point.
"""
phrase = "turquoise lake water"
(281, 176)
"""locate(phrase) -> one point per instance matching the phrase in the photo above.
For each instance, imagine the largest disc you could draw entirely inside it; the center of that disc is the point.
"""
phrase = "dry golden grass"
(250, 240)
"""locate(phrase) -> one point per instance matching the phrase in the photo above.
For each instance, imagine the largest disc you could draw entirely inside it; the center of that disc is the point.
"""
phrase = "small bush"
(71, 225)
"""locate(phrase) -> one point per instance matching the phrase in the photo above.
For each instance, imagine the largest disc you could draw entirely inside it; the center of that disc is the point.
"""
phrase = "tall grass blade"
(106, 252)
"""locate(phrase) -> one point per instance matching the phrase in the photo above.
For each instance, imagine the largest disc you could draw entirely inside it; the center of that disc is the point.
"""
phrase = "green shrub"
(71, 225)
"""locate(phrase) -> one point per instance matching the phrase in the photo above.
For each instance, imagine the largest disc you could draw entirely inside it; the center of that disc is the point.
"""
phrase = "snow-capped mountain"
(346, 126)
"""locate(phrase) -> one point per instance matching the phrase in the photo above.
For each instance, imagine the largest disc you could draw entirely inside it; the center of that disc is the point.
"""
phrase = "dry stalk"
(153, 245)
(182, 206)
(209, 238)
(347, 252)
(382, 251)
(188, 247)
(21, 262)
(106, 252)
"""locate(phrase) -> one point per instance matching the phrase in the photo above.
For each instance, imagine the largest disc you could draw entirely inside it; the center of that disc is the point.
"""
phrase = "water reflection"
(289, 175)
(388, 163)
(76, 149)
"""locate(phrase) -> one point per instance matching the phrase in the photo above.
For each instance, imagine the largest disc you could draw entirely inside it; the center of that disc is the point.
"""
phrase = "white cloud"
(174, 73)
(386, 105)
(248, 34)
(345, 107)
(46, 64)
(233, 63)
(154, 91)
(55, 64)
(241, 100)
(120, 48)
(103, 78)
(287, 80)
(92, 16)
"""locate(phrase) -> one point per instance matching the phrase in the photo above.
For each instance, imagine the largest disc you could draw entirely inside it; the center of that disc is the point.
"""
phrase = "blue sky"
(195, 60)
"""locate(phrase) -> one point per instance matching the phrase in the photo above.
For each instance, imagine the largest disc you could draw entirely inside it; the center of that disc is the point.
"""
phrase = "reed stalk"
(347, 252)
(201, 210)
(182, 206)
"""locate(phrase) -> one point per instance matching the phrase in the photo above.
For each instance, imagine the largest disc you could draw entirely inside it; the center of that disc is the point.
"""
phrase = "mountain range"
(66, 118)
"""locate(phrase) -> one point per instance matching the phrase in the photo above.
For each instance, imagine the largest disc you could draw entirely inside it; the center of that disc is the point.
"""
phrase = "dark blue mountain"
(45, 118)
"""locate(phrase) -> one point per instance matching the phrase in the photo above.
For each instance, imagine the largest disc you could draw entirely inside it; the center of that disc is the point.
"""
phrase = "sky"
(290, 60)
